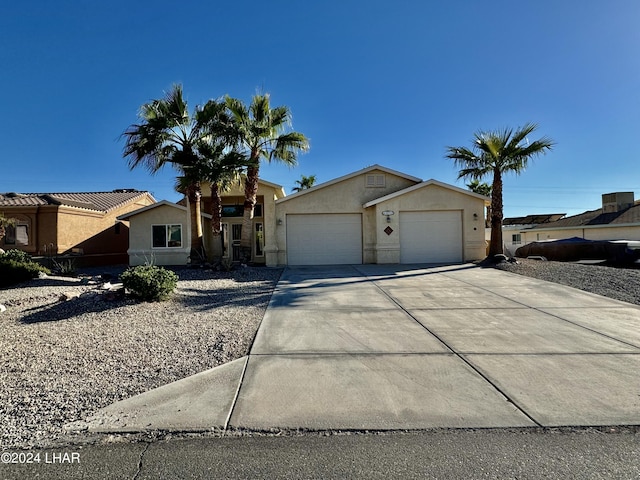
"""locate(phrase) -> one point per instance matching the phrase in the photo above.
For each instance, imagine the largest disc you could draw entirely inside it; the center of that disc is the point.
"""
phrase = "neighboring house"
(374, 215)
(80, 223)
(617, 219)
(512, 228)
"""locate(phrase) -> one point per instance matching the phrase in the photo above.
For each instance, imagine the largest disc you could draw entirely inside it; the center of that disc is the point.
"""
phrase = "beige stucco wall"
(347, 196)
(140, 249)
(430, 198)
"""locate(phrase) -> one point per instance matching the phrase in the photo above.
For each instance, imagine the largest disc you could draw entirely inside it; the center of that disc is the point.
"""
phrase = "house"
(512, 228)
(617, 219)
(83, 223)
(374, 215)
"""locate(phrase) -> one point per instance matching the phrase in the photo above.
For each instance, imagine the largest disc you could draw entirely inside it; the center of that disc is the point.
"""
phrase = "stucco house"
(617, 219)
(83, 223)
(512, 228)
(374, 215)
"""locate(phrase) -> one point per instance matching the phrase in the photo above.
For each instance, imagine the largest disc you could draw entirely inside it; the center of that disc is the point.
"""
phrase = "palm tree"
(483, 189)
(497, 153)
(261, 136)
(221, 168)
(168, 133)
(304, 183)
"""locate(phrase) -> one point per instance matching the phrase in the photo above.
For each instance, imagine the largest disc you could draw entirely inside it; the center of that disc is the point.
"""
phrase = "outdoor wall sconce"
(388, 213)
(279, 221)
(475, 217)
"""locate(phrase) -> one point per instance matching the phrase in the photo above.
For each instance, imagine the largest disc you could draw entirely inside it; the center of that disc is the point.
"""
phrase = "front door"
(236, 233)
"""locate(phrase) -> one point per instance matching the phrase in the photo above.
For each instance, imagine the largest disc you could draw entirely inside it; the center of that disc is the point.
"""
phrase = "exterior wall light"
(279, 221)
(475, 217)
(388, 213)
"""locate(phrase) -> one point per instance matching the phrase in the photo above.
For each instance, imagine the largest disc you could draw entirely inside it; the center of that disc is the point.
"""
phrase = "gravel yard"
(618, 283)
(60, 361)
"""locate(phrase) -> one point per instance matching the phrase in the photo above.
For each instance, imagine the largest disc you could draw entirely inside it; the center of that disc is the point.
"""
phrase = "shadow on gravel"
(201, 300)
(64, 310)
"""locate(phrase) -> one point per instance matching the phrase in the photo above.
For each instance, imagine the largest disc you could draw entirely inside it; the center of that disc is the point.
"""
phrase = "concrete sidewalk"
(412, 347)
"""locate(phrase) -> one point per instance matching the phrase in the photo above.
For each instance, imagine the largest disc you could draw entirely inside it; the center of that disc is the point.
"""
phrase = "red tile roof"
(97, 201)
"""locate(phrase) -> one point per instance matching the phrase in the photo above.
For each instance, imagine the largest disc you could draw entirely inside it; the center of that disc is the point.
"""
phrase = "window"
(16, 235)
(375, 181)
(238, 210)
(167, 236)
(259, 240)
(516, 239)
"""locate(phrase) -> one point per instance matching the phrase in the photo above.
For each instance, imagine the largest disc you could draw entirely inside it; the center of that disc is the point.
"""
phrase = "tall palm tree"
(304, 183)
(497, 153)
(261, 136)
(168, 133)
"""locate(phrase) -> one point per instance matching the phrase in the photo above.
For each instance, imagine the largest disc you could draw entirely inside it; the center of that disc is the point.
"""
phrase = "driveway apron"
(412, 347)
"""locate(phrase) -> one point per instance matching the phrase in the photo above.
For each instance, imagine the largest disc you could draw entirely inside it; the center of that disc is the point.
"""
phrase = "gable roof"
(347, 177)
(596, 217)
(424, 184)
(96, 201)
(161, 203)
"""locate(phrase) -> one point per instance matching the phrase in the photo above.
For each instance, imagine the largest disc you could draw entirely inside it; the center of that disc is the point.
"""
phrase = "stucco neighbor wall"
(606, 232)
(347, 196)
(430, 198)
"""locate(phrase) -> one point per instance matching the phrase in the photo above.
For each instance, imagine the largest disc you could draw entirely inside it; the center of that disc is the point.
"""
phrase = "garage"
(324, 239)
(431, 237)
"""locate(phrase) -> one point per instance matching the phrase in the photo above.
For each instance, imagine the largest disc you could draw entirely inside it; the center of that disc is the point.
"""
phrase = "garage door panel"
(431, 237)
(324, 239)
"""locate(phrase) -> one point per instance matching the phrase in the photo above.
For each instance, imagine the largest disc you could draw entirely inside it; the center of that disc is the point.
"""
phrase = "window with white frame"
(516, 239)
(166, 236)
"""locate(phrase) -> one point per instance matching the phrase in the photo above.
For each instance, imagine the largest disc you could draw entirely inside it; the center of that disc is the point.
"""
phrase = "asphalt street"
(455, 454)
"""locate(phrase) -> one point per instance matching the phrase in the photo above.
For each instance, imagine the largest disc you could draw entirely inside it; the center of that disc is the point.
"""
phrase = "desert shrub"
(12, 271)
(149, 282)
(16, 256)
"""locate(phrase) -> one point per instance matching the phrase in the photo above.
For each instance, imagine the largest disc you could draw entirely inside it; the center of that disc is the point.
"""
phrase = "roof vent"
(617, 201)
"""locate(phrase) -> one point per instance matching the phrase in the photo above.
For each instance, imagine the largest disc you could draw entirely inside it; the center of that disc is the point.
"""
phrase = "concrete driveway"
(413, 347)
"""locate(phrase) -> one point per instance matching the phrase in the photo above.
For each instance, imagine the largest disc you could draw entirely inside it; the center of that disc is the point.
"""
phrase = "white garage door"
(324, 239)
(431, 237)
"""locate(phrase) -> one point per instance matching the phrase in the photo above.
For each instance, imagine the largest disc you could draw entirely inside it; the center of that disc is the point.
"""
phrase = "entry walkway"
(413, 347)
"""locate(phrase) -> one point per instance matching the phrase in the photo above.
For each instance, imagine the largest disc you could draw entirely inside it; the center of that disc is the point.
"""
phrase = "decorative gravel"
(617, 283)
(61, 360)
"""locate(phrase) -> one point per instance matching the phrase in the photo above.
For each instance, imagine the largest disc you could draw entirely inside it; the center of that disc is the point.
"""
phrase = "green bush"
(12, 271)
(16, 256)
(149, 282)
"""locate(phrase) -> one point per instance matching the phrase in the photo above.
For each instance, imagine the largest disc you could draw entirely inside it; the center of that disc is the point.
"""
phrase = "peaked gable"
(424, 184)
(349, 176)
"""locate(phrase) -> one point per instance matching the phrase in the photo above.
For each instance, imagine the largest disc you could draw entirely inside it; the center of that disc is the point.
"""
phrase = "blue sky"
(384, 82)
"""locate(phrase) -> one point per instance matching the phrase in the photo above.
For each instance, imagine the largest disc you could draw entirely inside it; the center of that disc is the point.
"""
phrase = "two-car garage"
(331, 239)
(378, 215)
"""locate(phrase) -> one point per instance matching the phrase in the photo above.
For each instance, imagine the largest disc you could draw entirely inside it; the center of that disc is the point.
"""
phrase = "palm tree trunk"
(250, 196)
(495, 245)
(197, 249)
(216, 223)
